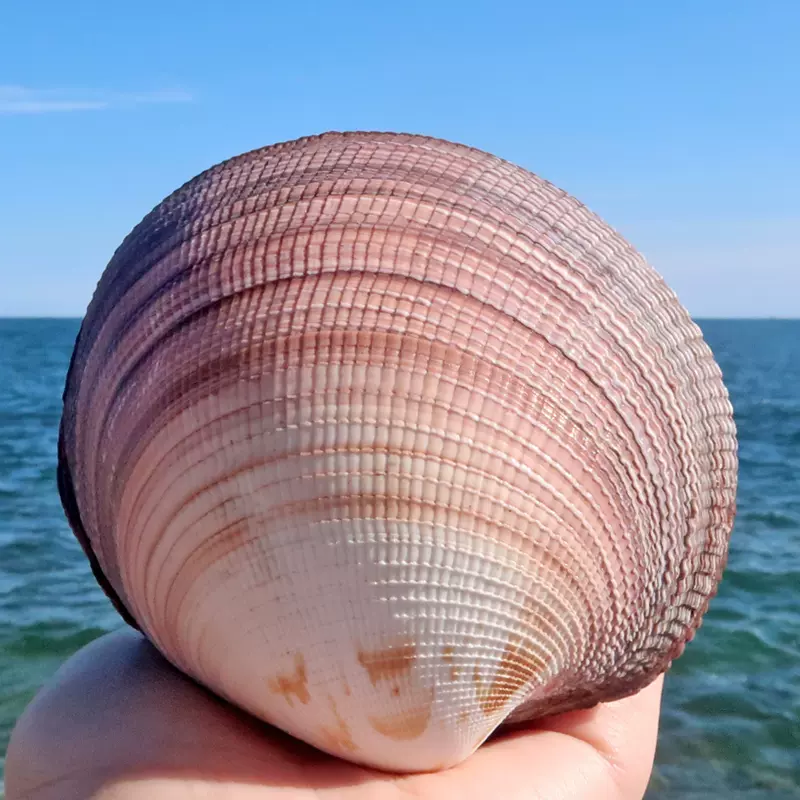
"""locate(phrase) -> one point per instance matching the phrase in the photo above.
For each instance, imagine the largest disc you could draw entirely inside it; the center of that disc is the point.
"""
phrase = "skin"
(117, 722)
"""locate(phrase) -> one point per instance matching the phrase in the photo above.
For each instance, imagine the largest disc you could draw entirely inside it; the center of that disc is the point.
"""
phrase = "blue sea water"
(731, 714)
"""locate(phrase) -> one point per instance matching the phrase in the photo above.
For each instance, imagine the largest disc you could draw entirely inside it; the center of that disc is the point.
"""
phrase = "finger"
(605, 753)
(624, 732)
(118, 713)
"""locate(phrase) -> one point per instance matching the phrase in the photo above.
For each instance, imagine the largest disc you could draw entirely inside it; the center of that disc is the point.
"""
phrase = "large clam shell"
(390, 442)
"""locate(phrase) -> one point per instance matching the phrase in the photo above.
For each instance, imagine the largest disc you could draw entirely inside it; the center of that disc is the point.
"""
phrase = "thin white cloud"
(24, 100)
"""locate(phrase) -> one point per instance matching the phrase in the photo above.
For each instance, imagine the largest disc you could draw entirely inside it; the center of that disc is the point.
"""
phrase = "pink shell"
(388, 413)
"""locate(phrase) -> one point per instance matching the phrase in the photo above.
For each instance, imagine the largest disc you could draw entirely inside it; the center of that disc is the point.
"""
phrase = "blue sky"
(677, 122)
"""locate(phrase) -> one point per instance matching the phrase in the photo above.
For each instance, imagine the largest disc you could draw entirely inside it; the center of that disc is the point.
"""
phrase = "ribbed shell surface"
(389, 442)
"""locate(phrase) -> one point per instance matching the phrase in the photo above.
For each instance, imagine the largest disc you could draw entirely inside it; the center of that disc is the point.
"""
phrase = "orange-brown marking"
(294, 684)
(395, 690)
(211, 552)
(347, 689)
(515, 669)
(406, 725)
(447, 655)
(477, 679)
(390, 663)
(338, 737)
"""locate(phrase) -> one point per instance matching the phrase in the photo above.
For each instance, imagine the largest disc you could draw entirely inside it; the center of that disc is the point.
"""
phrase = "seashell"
(391, 443)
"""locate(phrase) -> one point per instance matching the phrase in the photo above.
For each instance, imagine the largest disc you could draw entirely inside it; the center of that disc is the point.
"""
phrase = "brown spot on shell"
(212, 551)
(477, 679)
(447, 655)
(389, 663)
(516, 668)
(405, 725)
(338, 736)
(294, 684)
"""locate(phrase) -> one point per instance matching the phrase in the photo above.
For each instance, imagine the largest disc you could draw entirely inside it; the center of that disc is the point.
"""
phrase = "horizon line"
(695, 317)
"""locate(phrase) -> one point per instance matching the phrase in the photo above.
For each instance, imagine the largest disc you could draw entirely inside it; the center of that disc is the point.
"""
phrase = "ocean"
(731, 712)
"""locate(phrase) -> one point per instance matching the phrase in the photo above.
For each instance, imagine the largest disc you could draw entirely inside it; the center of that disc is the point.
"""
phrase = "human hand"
(117, 722)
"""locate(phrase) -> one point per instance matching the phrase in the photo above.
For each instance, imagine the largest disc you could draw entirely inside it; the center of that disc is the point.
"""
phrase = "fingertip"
(606, 751)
